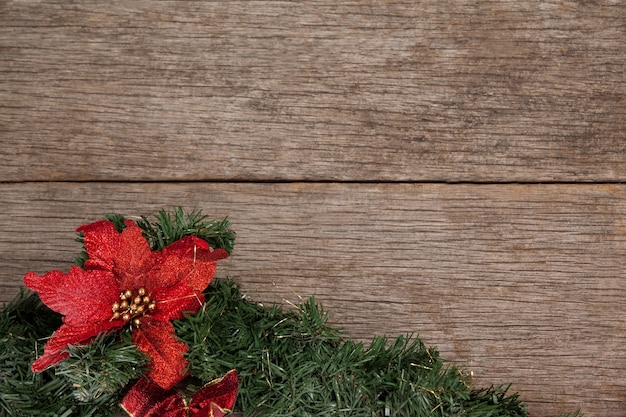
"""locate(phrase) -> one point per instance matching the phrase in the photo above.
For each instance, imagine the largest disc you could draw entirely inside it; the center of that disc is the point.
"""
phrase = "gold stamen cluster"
(132, 306)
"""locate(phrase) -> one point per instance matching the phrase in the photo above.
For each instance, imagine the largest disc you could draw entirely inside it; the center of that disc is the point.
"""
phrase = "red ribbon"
(215, 399)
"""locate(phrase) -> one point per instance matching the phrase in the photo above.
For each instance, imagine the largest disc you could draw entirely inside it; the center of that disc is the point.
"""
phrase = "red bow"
(215, 399)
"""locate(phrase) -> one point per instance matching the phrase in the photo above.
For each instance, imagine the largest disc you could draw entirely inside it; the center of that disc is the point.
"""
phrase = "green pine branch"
(25, 324)
(291, 363)
(103, 369)
(167, 228)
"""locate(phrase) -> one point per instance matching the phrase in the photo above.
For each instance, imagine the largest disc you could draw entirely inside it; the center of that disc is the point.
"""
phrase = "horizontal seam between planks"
(309, 181)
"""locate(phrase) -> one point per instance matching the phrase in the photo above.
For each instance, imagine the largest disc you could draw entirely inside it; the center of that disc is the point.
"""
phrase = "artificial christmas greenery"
(289, 363)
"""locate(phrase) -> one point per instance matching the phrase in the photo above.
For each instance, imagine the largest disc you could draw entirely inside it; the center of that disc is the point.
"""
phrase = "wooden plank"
(518, 283)
(485, 91)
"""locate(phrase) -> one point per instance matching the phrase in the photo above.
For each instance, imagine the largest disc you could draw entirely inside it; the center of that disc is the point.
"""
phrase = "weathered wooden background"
(455, 169)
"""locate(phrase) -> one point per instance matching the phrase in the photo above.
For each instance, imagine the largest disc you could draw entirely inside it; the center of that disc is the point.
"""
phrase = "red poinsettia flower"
(215, 399)
(124, 283)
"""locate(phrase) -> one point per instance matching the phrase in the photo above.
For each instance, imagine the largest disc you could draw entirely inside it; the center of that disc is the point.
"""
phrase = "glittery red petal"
(189, 261)
(217, 398)
(126, 254)
(172, 303)
(55, 349)
(81, 296)
(156, 338)
(145, 399)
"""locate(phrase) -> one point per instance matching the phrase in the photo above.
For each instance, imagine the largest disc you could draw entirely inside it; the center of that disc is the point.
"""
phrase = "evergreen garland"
(290, 363)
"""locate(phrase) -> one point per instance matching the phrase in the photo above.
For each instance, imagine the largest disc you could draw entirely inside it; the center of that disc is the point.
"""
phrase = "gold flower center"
(133, 305)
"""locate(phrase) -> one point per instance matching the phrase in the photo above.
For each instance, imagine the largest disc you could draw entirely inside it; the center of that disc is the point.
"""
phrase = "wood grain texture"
(477, 91)
(518, 283)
